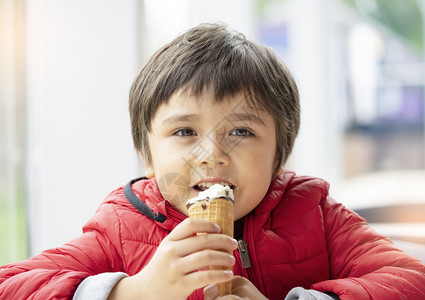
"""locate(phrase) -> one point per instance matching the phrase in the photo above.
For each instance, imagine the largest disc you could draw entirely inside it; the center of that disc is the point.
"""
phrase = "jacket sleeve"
(364, 264)
(56, 273)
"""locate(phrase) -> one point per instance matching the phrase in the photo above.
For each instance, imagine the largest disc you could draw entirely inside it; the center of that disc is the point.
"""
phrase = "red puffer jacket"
(302, 238)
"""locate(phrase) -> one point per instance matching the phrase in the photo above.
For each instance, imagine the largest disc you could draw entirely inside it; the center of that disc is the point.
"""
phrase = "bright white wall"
(313, 60)
(238, 14)
(81, 60)
(180, 15)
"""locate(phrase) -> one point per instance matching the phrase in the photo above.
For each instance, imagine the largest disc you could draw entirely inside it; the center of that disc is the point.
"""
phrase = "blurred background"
(66, 68)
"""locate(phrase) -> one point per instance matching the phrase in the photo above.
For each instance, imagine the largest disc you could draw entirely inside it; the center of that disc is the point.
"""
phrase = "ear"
(149, 172)
(280, 172)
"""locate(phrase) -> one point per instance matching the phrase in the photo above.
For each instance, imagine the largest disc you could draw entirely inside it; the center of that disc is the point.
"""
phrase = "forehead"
(184, 101)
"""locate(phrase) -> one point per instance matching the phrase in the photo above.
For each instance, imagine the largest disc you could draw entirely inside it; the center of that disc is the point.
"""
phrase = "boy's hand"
(173, 272)
(242, 288)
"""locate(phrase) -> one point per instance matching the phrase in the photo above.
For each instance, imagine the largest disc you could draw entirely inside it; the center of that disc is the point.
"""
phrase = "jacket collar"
(275, 193)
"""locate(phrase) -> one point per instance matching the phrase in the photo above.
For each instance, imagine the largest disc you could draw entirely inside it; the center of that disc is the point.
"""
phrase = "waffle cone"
(219, 211)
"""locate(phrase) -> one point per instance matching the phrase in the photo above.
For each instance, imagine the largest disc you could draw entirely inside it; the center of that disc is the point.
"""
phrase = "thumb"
(211, 292)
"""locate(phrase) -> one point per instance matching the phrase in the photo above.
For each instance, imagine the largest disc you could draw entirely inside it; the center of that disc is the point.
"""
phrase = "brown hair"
(217, 57)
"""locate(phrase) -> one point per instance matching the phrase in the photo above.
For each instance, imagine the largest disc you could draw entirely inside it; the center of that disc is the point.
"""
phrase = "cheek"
(175, 188)
(262, 159)
(164, 157)
(246, 203)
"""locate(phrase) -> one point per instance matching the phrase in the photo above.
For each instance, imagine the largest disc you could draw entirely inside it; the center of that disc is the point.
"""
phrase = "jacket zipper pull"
(243, 251)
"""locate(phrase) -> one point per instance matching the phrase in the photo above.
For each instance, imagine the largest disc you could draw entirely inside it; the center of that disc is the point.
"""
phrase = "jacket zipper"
(243, 253)
(254, 274)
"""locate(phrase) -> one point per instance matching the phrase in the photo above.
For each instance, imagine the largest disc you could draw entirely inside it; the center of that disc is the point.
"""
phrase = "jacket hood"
(148, 192)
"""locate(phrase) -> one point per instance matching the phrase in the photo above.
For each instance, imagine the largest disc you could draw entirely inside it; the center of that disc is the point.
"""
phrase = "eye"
(184, 132)
(241, 132)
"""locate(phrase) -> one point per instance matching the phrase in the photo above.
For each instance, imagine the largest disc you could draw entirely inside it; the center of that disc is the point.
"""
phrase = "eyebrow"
(234, 117)
(177, 118)
(246, 117)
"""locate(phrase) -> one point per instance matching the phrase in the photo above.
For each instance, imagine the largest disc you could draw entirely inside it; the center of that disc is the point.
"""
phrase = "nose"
(215, 153)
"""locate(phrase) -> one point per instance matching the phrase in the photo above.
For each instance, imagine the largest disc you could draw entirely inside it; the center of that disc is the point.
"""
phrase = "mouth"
(204, 185)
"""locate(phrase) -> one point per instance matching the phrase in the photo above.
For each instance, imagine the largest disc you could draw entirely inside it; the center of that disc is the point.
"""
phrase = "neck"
(238, 229)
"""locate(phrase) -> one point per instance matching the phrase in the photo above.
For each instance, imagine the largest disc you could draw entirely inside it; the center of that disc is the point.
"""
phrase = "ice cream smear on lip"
(214, 192)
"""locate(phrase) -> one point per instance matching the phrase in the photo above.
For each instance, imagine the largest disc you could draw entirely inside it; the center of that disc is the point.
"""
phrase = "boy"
(213, 107)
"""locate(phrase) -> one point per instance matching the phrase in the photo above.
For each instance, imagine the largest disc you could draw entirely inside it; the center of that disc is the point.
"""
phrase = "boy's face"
(196, 142)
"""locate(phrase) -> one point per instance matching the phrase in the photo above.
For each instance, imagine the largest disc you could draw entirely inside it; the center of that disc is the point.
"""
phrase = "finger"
(239, 280)
(231, 297)
(201, 242)
(239, 284)
(211, 292)
(190, 227)
(205, 259)
(202, 278)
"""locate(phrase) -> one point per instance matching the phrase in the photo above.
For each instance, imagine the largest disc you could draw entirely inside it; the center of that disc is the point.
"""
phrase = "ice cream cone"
(220, 211)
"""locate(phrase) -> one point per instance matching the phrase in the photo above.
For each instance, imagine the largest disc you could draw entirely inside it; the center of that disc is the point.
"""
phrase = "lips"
(203, 185)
